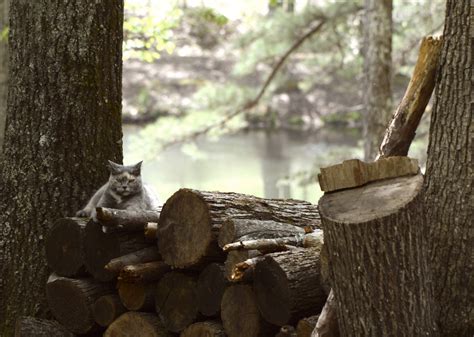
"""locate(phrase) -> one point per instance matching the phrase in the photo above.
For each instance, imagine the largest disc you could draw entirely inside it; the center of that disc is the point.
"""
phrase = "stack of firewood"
(207, 264)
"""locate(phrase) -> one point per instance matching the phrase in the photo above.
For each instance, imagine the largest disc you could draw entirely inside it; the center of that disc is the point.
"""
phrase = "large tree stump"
(147, 254)
(137, 296)
(144, 272)
(176, 300)
(288, 285)
(204, 329)
(137, 324)
(234, 230)
(126, 219)
(107, 308)
(240, 314)
(65, 247)
(376, 258)
(190, 221)
(35, 327)
(210, 288)
(72, 300)
(102, 247)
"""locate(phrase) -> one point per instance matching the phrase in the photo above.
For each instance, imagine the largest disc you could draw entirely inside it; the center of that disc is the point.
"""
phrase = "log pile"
(208, 264)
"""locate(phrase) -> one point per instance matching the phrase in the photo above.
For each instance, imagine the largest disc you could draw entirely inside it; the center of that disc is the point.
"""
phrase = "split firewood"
(240, 269)
(126, 219)
(148, 254)
(237, 256)
(107, 308)
(144, 272)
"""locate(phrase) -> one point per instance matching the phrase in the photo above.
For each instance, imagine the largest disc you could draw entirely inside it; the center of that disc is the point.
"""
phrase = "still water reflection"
(254, 162)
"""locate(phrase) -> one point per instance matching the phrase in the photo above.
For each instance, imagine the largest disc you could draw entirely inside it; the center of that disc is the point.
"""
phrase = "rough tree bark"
(449, 176)
(64, 123)
(4, 4)
(377, 70)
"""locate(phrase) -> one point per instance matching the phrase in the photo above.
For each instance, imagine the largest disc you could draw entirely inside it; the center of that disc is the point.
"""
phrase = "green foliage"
(4, 34)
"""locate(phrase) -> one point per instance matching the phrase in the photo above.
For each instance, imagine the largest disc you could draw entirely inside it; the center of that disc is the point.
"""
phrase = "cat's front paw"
(82, 213)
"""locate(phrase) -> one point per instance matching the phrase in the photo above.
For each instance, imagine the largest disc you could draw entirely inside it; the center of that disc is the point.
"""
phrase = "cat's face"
(125, 180)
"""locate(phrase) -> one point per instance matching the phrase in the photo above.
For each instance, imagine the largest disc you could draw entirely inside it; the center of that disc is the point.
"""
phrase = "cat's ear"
(137, 169)
(114, 168)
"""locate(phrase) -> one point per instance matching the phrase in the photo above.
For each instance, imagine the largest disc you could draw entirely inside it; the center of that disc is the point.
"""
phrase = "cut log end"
(204, 329)
(107, 308)
(137, 324)
(210, 288)
(137, 296)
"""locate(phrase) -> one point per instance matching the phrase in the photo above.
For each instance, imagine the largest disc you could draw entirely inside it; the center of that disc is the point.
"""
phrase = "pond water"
(253, 162)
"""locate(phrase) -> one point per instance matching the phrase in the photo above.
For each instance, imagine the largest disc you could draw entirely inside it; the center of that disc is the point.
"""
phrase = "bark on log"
(137, 324)
(144, 272)
(240, 315)
(190, 221)
(204, 329)
(35, 327)
(380, 274)
(107, 308)
(137, 296)
(72, 300)
(306, 326)
(402, 127)
(235, 257)
(327, 325)
(126, 219)
(100, 248)
(147, 254)
(234, 230)
(353, 173)
(210, 288)
(288, 286)
(65, 247)
(265, 246)
(176, 300)
(151, 230)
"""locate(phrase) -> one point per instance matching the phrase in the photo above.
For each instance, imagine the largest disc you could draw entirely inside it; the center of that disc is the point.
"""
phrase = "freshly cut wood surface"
(353, 173)
(235, 257)
(210, 288)
(137, 324)
(65, 247)
(147, 254)
(144, 272)
(72, 300)
(126, 219)
(137, 296)
(176, 300)
(288, 285)
(107, 308)
(204, 329)
(244, 271)
(27, 326)
(190, 222)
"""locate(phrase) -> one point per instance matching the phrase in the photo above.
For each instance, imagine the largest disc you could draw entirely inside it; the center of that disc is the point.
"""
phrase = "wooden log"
(27, 326)
(306, 326)
(204, 329)
(380, 257)
(288, 285)
(72, 300)
(107, 308)
(144, 272)
(235, 257)
(286, 331)
(190, 221)
(137, 296)
(327, 325)
(65, 247)
(147, 254)
(210, 288)
(240, 314)
(137, 324)
(176, 300)
(402, 127)
(244, 271)
(234, 230)
(100, 248)
(151, 231)
(126, 219)
(314, 239)
(353, 173)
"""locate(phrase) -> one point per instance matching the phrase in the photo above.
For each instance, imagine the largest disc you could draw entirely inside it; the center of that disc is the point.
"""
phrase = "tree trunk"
(64, 122)
(204, 329)
(210, 288)
(380, 277)
(4, 4)
(288, 286)
(448, 186)
(377, 69)
(176, 300)
(190, 221)
(107, 308)
(65, 247)
(34, 327)
(240, 315)
(137, 324)
(72, 301)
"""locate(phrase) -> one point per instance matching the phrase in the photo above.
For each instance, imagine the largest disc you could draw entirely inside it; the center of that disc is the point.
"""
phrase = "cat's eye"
(131, 180)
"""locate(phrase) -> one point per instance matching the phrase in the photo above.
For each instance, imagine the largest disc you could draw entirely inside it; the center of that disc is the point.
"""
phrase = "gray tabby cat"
(124, 190)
